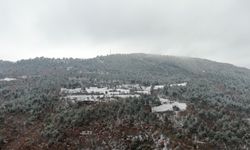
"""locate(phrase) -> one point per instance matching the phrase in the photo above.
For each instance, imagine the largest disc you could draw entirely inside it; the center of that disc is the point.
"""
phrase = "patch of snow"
(137, 137)
(143, 92)
(97, 90)
(163, 108)
(164, 101)
(8, 79)
(23, 77)
(169, 107)
(69, 68)
(181, 106)
(113, 93)
(124, 91)
(146, 88)
(157, 87)
(179, 84)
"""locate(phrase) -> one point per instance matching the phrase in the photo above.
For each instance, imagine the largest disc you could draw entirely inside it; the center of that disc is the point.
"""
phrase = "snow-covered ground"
(97, 94)
(164, 100)
(167, 105)
(143, 92)
(69, 68)
(179, 84)
(8, 79)
(97, 97)
(124, 91)
(158, 87)
(108, 91)
(146, 88)
(97, 90)
(127, 96)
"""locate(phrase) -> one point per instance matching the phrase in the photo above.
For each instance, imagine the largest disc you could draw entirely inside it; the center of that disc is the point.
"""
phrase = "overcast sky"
(213, 29)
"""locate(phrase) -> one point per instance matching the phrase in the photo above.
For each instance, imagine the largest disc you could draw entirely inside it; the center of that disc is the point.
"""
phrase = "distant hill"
(5, 66)
(129, 66)
(213, 77)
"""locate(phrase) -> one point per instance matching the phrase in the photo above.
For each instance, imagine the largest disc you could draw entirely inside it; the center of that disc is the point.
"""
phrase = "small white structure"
(179, 84)
(97, 90)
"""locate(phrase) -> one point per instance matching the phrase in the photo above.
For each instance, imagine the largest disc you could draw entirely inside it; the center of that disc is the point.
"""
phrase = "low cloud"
(217, 30)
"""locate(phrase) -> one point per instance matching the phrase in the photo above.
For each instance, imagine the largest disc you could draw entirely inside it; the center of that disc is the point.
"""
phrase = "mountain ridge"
(150, 65)
(129, 54)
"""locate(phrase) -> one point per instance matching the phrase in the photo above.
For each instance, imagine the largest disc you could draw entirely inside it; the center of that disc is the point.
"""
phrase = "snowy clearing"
(169, 107)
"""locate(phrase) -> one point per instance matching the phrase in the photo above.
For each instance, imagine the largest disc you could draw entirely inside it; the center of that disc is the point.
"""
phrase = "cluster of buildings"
(102, 94)
(106, 93)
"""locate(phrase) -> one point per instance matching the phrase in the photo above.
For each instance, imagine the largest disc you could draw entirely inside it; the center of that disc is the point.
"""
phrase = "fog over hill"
(168, 58)
(65, 28)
